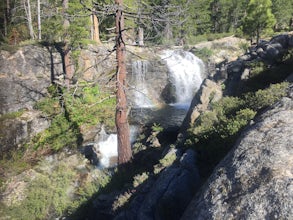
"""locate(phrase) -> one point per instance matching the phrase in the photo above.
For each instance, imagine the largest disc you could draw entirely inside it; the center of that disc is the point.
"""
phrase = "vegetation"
(259, 18)
(50, 193)
(215, 131)
(71, 112)
(164, 21)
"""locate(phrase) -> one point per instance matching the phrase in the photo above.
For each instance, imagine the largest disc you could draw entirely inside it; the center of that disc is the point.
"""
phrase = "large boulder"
(209, 92)
(169, 195)
(254, 181)
(14, 131)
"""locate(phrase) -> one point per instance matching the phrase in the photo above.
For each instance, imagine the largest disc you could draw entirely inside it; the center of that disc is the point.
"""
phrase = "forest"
(159, 22)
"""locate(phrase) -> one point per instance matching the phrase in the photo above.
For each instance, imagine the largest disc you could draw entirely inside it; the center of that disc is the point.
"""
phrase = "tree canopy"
(259, 18)
(162, 21)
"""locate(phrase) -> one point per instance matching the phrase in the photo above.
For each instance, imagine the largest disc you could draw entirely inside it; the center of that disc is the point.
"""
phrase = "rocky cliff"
(254, 181)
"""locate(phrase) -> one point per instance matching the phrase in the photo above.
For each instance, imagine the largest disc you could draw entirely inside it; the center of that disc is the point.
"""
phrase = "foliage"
(264, 98)
(282, 10)
(61, 133)
(203, 53)
(157, 127)
(11, 115)
(215, 131)
(91, 106)
(51, 194)
(259, 18)
(49, 106)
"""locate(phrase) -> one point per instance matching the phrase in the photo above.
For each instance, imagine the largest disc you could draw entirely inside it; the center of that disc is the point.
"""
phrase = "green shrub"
(257, 68)
(203, 53)
(264, 98)
(157, 127)
(61, 133)
(49, 106)
(215, 131)
(91, 107)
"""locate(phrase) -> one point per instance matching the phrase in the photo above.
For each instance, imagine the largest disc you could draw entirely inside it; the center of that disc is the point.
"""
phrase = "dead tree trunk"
(39, 20)
(124, 148)
(27, 8)
(95, 29)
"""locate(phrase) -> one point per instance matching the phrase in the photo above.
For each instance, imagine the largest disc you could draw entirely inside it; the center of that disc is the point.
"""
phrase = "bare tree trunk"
(5, 22)
(96, 34)
(123, 134)
(6, 17)
(39, 20)
(140, 36)
(27, 8)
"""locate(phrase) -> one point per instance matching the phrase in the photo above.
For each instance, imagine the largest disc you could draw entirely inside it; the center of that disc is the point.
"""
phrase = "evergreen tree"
(283, 11)
(259, 18)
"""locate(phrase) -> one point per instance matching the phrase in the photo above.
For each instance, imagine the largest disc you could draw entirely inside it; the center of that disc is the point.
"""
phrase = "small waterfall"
(108, 151)
(185, 74)
(139, 70)
(107, 148)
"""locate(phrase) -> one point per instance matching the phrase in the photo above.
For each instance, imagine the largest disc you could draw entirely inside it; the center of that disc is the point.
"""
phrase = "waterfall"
(185, 74)
(108, 151)
(139, 70)
(107, 148)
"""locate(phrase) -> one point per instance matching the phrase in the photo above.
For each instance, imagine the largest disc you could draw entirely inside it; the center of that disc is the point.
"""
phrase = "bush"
(264, 98)
(60, 134)
(204, 53)
(215, 131)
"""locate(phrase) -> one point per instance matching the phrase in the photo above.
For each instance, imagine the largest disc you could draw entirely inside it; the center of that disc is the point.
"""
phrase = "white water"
(186, 74)
(108, 149)
(139, 71)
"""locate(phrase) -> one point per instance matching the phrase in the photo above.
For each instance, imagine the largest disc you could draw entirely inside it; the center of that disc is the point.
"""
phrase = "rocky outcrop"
(24, 77)
(168, 196)
(209, 92)
(269, 52)
(14, 132)
(254, 181)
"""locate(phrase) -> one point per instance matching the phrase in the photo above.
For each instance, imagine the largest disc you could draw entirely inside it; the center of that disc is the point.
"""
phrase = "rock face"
(269, 52)
(254, 181)
(24, 77)
(14, 131)
(168, 196)
(209, 92)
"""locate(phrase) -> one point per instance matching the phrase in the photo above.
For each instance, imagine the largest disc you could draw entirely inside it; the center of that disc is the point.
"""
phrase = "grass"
(52, 194)
(12, 115)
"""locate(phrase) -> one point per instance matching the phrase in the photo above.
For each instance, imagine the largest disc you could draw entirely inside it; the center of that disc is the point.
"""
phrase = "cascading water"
(139, 71)
(108, 150)
(185, 74)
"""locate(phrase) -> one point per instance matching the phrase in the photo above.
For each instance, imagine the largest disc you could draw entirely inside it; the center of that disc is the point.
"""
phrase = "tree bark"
(140, 36)
(123, 134)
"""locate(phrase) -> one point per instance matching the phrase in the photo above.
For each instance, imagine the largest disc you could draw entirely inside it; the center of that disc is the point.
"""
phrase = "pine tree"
(283, 11)
(259, 18)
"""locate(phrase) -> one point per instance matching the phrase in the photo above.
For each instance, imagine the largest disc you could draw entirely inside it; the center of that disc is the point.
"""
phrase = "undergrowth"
(83, 106)
(215, 131)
